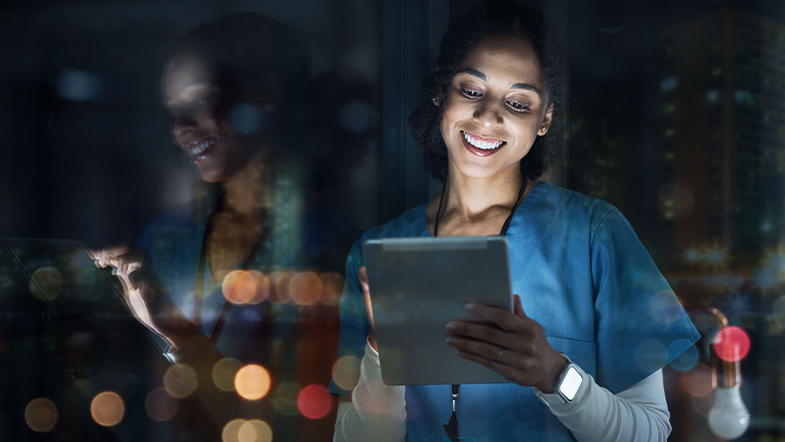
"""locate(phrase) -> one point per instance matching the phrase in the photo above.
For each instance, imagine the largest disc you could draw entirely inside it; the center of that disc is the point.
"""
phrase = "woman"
(585, 282)
(236, 89)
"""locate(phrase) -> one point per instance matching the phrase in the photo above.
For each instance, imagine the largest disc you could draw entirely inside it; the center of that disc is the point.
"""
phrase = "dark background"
(86, 152)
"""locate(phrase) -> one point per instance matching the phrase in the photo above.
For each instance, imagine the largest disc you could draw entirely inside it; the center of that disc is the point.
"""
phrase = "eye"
(518, 106)
(471, 93)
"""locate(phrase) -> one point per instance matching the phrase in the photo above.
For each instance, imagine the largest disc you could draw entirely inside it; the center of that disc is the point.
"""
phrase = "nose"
(182, 123)
(488, 114)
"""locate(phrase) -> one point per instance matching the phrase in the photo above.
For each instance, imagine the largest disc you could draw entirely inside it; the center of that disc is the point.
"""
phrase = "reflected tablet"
(418, 285)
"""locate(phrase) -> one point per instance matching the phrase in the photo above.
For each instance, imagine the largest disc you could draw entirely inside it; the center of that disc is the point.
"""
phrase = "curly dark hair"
(503, 18)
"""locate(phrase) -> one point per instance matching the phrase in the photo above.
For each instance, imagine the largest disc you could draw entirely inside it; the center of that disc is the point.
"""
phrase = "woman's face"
(199, 124)
(496, 107)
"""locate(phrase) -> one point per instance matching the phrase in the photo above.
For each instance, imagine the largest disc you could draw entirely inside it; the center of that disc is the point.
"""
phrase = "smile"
(481, 146)
(196, 148)
(482, 143)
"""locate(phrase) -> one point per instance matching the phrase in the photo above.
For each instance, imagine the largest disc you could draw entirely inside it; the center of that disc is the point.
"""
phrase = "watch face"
(570, 383)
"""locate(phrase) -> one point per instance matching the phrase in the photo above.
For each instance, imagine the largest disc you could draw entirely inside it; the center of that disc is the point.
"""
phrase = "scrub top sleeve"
(640, 324)
(354, 327)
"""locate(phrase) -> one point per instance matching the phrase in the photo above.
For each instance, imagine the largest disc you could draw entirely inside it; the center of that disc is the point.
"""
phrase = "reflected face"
(497, 105)
(199, 124)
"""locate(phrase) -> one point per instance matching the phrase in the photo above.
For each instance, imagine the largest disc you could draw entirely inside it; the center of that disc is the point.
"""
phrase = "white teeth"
(199, 148)
(480, 144)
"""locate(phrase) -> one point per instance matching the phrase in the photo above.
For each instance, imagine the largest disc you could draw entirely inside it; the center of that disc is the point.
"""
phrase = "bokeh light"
(346, 372)
(159, 405)
(731, 344)
(665, 307)
(332, 288)
(715, 256)
(697, 382)
(282, 279)
(41, 415)
(252, 382)
(49, 280)
(231, 431)
(305, 288)
(686, 360)
(314, 401)
(180, 381)
(224, 372)
(284, 398)
(107, 408)
(239, 287)
(691, 255)
(262, 287)
(255, 431)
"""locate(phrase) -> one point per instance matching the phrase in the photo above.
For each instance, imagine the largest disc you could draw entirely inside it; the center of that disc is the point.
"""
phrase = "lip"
(199, 149)
(481, 152)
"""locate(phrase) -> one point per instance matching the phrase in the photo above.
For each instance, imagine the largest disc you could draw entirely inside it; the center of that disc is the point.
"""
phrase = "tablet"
(418, 285)
(80, 301)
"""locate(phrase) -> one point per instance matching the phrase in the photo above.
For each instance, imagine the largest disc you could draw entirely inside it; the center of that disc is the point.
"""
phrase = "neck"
(246, 192)
(471, 197)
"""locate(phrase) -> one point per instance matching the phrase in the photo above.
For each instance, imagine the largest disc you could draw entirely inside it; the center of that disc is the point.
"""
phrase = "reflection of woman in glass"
(586, 284)
(236, 89)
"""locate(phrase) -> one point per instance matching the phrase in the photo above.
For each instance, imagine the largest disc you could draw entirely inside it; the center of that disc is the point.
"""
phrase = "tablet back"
(418, 285)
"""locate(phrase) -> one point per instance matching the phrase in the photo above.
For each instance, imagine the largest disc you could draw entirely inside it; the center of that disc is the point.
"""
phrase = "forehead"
(507, 59)
(185, 77)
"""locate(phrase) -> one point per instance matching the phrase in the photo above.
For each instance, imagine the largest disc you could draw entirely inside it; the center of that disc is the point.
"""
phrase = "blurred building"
(596, 156)
(722, 111)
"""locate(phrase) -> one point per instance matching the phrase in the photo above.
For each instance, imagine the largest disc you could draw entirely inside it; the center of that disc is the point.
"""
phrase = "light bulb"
(728, 417)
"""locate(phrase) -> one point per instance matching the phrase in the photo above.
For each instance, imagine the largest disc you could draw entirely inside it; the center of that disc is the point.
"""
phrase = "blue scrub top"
(584, 276)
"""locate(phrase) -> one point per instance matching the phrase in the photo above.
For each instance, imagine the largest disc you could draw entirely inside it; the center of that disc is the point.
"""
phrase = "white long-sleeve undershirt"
(378, 412)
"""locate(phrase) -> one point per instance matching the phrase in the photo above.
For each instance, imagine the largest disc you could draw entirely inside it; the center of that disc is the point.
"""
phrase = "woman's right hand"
(144, 296)
(362, 276)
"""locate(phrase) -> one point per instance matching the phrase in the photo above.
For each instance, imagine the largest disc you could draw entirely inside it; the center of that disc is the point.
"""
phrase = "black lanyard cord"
(452, 426)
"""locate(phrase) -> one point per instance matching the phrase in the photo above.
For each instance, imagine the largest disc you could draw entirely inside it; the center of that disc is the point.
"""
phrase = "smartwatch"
(570, 381)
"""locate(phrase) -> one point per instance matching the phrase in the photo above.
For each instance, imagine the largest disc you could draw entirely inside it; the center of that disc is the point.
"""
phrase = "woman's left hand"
(512, 345)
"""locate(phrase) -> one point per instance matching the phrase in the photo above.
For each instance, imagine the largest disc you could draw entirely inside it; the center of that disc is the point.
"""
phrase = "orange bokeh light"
(239, 287)
(41, 415)
(107, 408)
(305, 288)
(731, 344)
(282, 279)
(159, 405)
(252, 382)
(697, 382)
(314, 401)
(262, 287)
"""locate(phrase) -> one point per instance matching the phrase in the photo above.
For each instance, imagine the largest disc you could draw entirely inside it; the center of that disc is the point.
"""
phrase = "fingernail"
(470, 307)
(114, 270)
(451, 341)
(451, 326)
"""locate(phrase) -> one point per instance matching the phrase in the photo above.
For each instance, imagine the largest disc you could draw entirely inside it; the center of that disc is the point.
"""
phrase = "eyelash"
(472, 94)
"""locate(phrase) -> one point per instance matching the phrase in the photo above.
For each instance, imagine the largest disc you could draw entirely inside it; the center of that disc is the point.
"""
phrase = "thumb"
(517, 307)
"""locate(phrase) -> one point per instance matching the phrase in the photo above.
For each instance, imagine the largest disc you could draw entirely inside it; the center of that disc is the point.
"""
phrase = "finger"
(517, 307)
(489, 351)
(482, 332)
(510, 373)
(499, 316)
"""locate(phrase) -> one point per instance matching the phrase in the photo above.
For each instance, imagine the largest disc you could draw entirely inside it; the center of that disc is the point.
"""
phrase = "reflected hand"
(362, 275)
(512, 345)
(143, 294)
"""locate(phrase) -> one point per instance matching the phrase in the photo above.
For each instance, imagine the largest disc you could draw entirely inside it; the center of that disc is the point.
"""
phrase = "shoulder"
(556, 204)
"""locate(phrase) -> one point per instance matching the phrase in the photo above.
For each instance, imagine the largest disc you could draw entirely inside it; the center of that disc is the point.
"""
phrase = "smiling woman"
(582, 359)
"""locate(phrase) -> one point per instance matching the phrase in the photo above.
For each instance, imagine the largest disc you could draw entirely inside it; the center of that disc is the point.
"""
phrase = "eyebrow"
(482, 77)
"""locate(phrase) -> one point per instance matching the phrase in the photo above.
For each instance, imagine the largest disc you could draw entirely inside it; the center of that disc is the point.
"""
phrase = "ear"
(546, 121)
